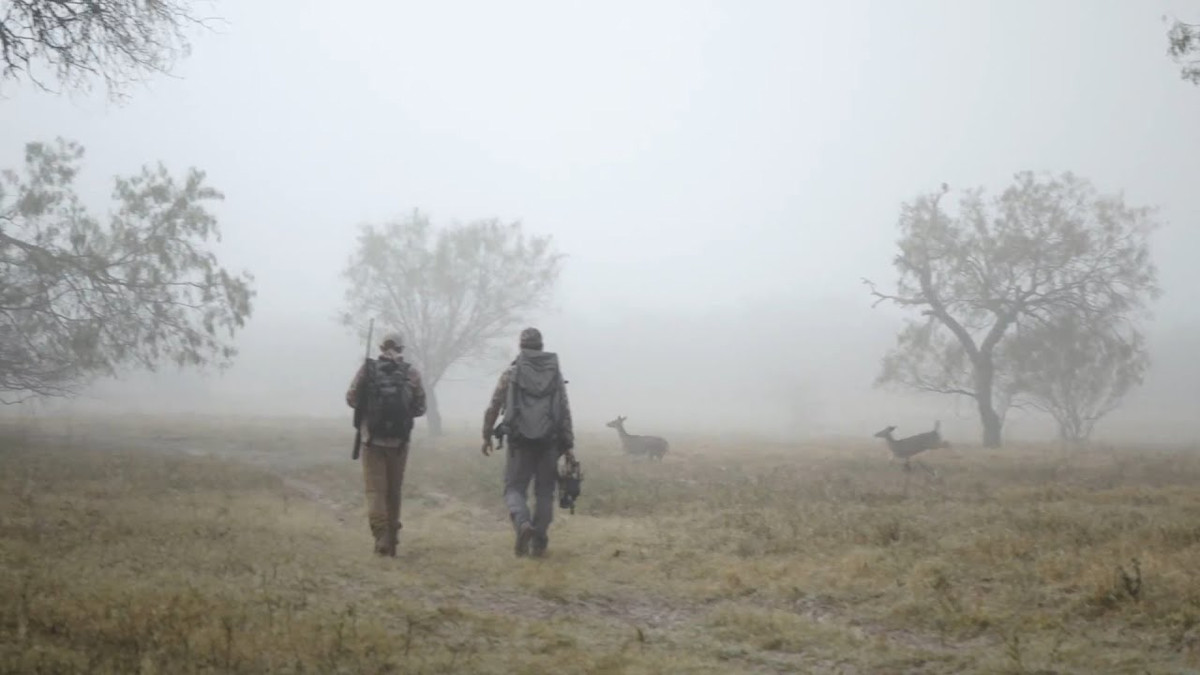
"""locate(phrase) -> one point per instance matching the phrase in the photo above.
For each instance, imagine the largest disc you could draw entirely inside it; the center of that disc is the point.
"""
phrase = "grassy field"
(241, 546)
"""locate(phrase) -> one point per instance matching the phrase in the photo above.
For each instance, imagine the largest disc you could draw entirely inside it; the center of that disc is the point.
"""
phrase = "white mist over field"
(721, 177)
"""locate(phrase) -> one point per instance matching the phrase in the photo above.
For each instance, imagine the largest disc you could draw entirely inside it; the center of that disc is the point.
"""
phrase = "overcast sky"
(691, 158)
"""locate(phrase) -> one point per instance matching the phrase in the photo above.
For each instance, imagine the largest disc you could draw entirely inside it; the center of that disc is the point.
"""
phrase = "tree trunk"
(985, 375)
(1072, 428)
(433, 416)
(991, 426)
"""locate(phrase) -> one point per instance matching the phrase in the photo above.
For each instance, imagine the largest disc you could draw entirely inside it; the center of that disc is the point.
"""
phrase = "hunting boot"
(524, 535)
(537, 547)
(383, 546)
(389, 543)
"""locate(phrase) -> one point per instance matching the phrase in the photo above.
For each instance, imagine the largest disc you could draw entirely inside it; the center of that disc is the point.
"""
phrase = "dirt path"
(648, 618)
(643, 618)
(640, 611)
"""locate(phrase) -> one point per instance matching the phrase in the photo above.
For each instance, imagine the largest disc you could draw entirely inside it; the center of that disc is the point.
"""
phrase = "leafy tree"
(1078, 371)
(118, 41)
(450, 291)
(80, 298)
(1183, 45)
(1044, 248)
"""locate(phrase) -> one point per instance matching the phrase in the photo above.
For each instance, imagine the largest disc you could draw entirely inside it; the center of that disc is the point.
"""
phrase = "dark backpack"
(533, 410)
(388, 399)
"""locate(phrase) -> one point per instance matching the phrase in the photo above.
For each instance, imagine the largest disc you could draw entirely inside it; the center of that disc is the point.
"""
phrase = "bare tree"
(1183, 45)
(451, 291)
(79, 298)
(930, 359)
(118, 41)
(1043, 248)
(1078, 370)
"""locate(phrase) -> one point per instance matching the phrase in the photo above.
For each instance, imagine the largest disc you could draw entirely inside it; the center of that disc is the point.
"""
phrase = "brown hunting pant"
(383, 473)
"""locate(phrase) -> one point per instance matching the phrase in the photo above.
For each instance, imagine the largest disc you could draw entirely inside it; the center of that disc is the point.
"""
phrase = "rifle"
(360, 405)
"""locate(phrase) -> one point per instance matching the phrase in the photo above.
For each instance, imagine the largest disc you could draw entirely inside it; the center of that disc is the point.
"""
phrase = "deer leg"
(927, 468)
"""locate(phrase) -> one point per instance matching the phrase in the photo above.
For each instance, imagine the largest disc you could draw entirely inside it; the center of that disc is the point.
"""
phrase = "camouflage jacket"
(495, 410)
(416, 388)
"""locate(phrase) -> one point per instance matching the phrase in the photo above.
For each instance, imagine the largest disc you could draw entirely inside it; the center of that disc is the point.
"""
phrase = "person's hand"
(487, 447)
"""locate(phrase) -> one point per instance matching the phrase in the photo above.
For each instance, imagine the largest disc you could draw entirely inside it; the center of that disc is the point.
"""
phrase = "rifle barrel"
(361, 394)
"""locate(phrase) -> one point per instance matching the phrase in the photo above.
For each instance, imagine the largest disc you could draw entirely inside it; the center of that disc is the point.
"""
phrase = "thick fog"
(721, 177)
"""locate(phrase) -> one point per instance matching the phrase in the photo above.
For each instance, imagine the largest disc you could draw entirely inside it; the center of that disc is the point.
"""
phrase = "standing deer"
(906, 448)
(649, 446)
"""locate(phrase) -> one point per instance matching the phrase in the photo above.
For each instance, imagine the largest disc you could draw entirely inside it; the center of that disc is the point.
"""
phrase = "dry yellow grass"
(192, 545)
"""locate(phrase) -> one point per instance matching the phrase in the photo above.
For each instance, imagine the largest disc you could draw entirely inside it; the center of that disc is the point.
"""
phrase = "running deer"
(649, 446)
(906, 448)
